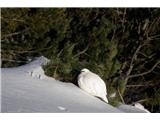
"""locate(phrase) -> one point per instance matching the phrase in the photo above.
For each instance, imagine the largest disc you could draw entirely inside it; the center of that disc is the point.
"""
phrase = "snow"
(130, 109)
(27, 89)
(140, 106)
(113, 95)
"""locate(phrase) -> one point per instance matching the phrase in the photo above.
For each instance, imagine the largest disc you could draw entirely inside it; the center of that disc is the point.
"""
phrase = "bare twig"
(123, 20)
(32, 51)
(133, 59)
(55, 72)
(132, 65)
(146, 55)
(118, 12)
(58, 55)
(15, 61)
(114, 31)
(144, 73)
(145, 25)
(154, 36)
(14, 19)
(128, 86)
(15, 33)
(81, 52)
(154, 22)
(143, 100)
(121, 96)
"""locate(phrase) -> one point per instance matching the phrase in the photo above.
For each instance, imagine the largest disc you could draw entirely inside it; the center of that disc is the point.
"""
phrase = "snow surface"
(130, 109)
(140, 106)
(27, 89)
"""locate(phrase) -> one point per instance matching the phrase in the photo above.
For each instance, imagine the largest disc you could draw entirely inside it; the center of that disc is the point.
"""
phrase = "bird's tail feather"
(105, 99)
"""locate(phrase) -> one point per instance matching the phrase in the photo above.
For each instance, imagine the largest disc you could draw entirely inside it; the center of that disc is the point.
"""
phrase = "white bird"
(92, 84)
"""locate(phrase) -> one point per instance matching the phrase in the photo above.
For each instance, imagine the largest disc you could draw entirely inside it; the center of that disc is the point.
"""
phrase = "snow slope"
(27, 89)
(131, 109)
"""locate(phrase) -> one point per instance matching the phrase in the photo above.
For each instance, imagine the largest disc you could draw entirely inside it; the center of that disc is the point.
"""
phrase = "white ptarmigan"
(92, 84)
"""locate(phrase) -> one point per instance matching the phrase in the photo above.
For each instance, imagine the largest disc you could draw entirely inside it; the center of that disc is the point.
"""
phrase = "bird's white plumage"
(92, 84)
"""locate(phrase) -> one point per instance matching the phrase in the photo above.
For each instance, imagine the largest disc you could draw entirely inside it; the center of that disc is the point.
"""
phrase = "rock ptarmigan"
(92, 84)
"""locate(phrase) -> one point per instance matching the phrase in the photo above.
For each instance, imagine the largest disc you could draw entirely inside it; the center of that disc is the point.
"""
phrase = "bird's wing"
(94, 84)
(85, 82)
(99, 87)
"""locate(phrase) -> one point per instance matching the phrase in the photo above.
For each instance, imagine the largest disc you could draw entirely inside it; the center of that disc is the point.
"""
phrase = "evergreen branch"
(147, 72)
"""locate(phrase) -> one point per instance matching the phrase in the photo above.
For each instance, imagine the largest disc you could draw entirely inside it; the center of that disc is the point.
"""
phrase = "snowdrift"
(27, 89)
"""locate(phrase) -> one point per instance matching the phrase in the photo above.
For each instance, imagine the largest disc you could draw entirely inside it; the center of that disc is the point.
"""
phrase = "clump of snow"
(140, 106)
(37, 72)
(34, 68)
(113, 95)
(130, 109)
(40, 61)
(62, 108)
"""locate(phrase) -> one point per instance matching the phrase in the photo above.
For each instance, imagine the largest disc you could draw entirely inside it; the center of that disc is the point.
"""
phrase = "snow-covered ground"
(27, 89)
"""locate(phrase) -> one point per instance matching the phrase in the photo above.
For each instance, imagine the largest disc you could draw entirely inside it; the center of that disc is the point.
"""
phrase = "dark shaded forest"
(122, 45)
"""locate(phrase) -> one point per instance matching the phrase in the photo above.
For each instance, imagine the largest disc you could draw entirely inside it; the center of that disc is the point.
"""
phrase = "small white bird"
(92, 84)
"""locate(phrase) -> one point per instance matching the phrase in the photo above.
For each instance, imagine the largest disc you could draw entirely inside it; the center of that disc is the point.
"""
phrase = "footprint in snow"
(37, 73)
